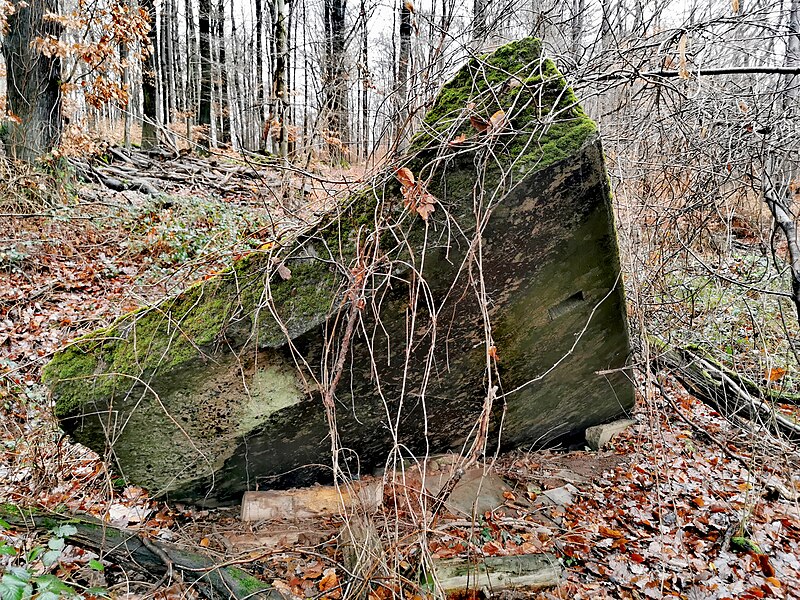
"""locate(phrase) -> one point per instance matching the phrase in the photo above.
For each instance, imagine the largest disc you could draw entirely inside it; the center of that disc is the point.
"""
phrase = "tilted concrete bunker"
(516, 271)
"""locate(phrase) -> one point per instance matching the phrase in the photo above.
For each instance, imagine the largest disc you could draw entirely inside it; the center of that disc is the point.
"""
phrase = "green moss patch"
(191, 327)
(545, 123)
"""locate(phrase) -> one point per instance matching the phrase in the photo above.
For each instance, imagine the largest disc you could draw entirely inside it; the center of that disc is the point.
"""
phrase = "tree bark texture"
(224, 135)
(33, 81)
(206, 82)
(281, 75)
(402, 76)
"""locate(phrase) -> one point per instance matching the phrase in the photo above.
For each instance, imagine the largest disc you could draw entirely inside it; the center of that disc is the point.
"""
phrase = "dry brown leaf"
(405, 176)
(775, 374)
(479, 123)
(610, 533)
(284, 272)
(459, 139)
(683, 72)
(329, 580)
(497, 121)
(425, 206)
(313, 570)
(766, 566)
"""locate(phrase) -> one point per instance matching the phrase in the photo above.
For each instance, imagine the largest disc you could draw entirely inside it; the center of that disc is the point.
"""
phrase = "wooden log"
(131, 550)
(311, 502)
(529, 571)
(727, 392)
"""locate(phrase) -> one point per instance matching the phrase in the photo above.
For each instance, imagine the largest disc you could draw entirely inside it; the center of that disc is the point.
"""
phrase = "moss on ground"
(245, 582)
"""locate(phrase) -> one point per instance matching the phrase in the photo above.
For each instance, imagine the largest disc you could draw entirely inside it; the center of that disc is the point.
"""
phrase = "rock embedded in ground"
(600, 436)
(218, 390)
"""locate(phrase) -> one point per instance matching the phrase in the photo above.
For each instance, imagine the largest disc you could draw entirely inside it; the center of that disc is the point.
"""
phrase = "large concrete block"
(219, 389)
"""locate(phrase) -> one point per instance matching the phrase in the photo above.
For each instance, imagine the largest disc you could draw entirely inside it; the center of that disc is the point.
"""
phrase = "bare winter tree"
(206, 68)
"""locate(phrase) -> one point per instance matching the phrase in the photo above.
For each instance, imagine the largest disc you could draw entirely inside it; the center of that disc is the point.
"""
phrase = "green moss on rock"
(545, 122)
(190, 327)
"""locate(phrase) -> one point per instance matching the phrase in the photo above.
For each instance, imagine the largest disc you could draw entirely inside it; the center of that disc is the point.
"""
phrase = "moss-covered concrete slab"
(219, 390)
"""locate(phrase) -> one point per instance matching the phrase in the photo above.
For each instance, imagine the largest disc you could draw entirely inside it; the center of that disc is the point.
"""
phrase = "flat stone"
(476, 493)
(600, 436)
(561, 496)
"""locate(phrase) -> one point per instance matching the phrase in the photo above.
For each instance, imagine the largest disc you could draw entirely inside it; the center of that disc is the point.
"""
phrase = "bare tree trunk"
(204, 113)
(260, 59)
(402, 75)
(224, 108)
(578, 9)
(478, 24)
(775, 181)
(336, 78)
(170, 15)
(780, 205)
(366, 81)
(161, 65)
(190, 99)
(236, 95)
(607, 24)
(126, 81)
(149, 90)
(166, 80)
(306, 86)
(33, 81)
(292, 74)
(792, 58)
(281, 75)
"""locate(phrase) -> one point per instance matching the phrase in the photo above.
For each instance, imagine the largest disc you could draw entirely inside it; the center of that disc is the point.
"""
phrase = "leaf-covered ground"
(685, 504)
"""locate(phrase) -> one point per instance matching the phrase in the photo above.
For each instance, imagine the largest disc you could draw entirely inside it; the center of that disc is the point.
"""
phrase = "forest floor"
(684, 504)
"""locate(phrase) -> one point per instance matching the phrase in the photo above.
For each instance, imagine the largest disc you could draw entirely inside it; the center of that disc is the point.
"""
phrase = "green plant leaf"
(6, 550)
(20, 573)
(56, 543)
(96, 565)
(51, 583)
(15, 584)
(64, 531)
(34, 554)
(51, 557)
